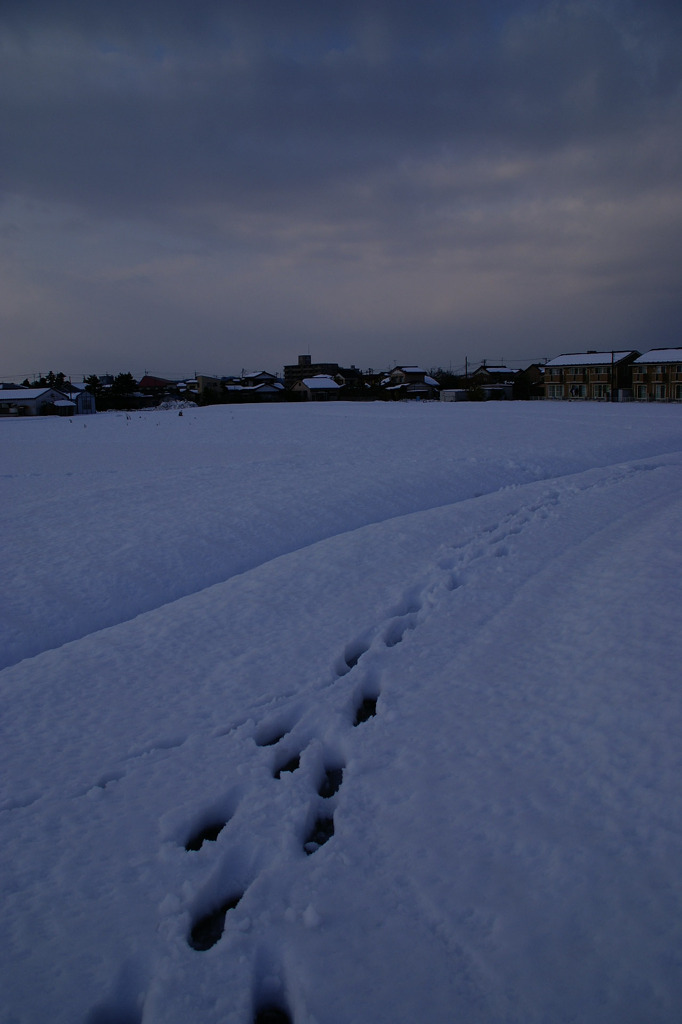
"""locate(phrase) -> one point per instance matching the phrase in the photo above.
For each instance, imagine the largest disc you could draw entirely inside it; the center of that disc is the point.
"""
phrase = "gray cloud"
(445, 176)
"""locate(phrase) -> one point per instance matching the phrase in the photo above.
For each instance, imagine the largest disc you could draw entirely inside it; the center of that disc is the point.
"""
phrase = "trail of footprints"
(207, 929)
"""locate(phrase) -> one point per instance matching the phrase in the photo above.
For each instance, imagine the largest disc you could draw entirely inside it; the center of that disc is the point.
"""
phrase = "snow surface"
(196, 612)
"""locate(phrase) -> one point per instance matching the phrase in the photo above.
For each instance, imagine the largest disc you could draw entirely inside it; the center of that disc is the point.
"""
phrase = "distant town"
(652, 376)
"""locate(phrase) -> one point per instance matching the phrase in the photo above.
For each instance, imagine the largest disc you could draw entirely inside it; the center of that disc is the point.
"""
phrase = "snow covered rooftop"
(587, 358)
(661, 355)
(22, 394)
(320, 382)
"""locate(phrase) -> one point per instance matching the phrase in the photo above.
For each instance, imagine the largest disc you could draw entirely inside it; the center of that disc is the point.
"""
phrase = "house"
(267, 391)
(252, 380)
(158, 384)
(320, 388)
(207, 383)
(657, 375)
(530, 383)
(33, 402)
(494, 381)
(410, 382)
(493, 374)
(590, 375)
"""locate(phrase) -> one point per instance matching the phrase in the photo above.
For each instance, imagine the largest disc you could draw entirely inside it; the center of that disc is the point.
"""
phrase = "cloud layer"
(208, 187)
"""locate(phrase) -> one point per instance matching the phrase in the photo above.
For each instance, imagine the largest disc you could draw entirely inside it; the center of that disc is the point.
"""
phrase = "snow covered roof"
(661, 355)
(410, 369)
(588, 358)
(64, 403)
(23, 394)
(431, 381)
(320, 382)
(496, 369)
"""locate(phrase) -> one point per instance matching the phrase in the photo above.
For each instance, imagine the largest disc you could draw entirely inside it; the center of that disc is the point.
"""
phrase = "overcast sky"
(193, 186)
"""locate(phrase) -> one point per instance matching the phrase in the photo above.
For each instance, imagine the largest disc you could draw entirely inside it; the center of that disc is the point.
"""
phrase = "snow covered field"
(404, 678)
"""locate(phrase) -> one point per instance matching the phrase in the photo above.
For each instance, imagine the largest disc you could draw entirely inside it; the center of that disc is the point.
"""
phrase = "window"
(678, 392)
(554, 391)
(659, 392)
(640, 392)
(601, 391)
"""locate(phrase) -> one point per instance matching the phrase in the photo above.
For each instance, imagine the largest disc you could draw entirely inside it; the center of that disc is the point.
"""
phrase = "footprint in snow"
(269, 735)
(320, 833)
(272, 1014)
(292, 764)
(366, 709)
(208, 929)
(395, 633)
(207, 833)
(331, 783)
(351, 656)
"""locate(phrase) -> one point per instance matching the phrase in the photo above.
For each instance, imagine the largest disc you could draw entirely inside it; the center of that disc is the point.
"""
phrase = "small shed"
(65, 407)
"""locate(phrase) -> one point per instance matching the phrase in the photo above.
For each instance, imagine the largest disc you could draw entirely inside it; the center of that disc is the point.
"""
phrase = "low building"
(267, 391)
(32, 402)
(159, 384)
(410, 382)
(590, 375)
(210, 387)
(493, 374)
(253, 380)
(321, 388)
(657, 376)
